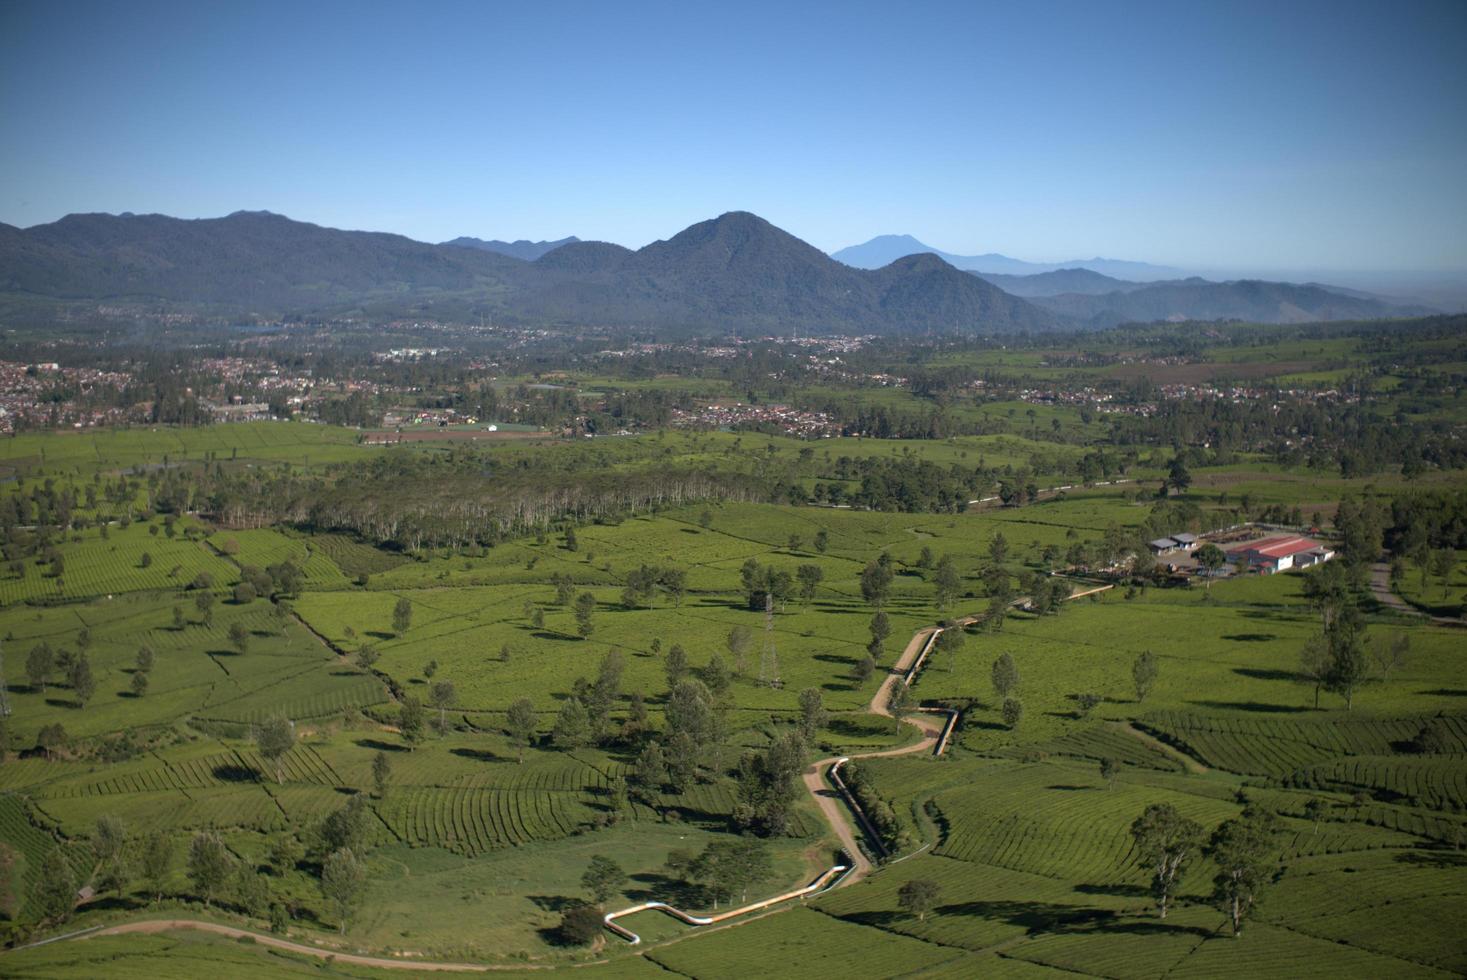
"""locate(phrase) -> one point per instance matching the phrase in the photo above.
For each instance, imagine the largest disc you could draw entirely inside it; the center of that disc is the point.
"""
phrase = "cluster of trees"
(112, 864)
(894, 837)
(42, 662)
(1243, 850)
(644, 583)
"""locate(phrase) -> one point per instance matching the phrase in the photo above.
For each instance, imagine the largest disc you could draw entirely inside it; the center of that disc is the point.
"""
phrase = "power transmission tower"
(769, 656)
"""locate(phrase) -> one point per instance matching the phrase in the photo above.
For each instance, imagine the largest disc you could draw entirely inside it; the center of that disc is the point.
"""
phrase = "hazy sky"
(1223, 135)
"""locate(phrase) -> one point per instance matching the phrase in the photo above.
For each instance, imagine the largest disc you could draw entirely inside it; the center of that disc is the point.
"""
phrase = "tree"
(402, 616)
(1314, 664)
(565, 588)
(1144, 671)
(1390, 654)
(676, 665)
(822, 540)
(1005, 676)
(343, 879)
(880, 630)
(209, 865)
(585, 608)
(1211, 557)
(1110, 771)
(809, 577)
(521, 721)
(682, 761)
(795, 543)
(998, 548)
(55, 894)
(239, 636)
(1443, 563)
(38, 666)
(649, 773)
(950, 641)
(740, 642)
(1165, 840)
(1242, 849)
(155, 860)
(244, 593)
(1349, 666)
(410, 719)
(812, 713)
(251, 890)
(729, 867)
(109, 845)
(1315, 811)
(381, 773)
(716, 677)
(273, 740)
(443, 695)
(603, 878)
(83, 685)
(674, 581)
(572, 725)
(366, 656)
(285, 853)
(876, 580)
(918, 897)
(204, 603)
(571, 544)
(144, 659)
(50, 738)
(345, 828)
(865, 667)
(946, 582)
(1177, 476)
(580, 925)
(1087, 702)
(1013, 712)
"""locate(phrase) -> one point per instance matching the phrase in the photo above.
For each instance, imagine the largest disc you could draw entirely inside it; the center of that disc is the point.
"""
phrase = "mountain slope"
(885, 249)
(740, 272)
(522, 248)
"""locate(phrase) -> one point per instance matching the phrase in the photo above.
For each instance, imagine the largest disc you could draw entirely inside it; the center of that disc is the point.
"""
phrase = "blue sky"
(1204, 135)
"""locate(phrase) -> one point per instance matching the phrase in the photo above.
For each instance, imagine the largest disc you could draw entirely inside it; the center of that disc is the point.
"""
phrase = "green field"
(473, 855)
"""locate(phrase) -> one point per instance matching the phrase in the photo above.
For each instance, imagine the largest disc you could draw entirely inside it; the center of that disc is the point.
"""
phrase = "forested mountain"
(735, 272)
(519, 249)
(739, 271)
(247, 261)
(1245, 299)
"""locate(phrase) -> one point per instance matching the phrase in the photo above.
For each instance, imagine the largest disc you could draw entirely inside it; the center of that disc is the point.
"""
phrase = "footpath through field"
(1380, 584)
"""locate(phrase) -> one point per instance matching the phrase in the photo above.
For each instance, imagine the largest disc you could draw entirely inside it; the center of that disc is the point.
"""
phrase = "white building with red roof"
(1279, 554)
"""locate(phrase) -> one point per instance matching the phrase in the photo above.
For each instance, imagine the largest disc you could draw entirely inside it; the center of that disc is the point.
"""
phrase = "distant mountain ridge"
(1253, 300)
(885, 249)
(734, 272)
(522, 248)
(1058, 282)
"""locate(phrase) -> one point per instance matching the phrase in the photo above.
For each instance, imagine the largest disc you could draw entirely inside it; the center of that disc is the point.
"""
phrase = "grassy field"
(474, 855)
